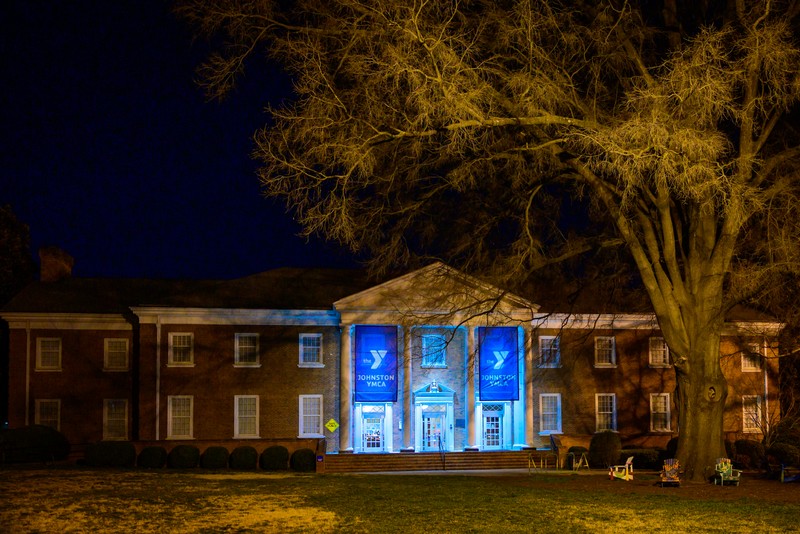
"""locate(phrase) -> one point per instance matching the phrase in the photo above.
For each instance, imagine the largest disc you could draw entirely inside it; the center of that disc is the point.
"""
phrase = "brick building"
(433, 360)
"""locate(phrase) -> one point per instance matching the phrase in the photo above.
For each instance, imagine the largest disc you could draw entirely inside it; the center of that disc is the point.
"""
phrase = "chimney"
(55, 264)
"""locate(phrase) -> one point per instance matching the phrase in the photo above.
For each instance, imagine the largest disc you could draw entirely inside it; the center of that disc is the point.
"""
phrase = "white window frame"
(605, 355)
(46, 365)
(108, 435)
(658, 352)
(302, 350)
(752, 357)
(547, 431)
(549, 345)
(597, 412)
(237, 417)
(52, 403)
(171, 417)
(656, 412)
(305, 421)
(751, 422)
(238, 344)
(434, 351)
(171, 362)
(109, 363)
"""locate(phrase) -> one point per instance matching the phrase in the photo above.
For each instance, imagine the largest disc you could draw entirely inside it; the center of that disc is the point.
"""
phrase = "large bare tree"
(507, 135)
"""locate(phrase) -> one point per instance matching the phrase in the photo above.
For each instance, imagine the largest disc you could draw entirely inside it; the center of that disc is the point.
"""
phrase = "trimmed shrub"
(574, 455)
(604, 449)
(34, 443)
(672, 448)
(184, 457)
(785, 453)
(244, 458)
(642, 458)
(154, 457)
(303, 460)
(111, 454)
(750, 454)
(274, 458)
(214, 458)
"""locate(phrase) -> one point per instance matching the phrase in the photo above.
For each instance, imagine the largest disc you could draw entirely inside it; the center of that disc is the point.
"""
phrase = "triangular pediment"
(436, 294)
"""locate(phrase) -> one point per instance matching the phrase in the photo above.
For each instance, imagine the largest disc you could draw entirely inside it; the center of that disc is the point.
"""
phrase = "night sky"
(111, 151)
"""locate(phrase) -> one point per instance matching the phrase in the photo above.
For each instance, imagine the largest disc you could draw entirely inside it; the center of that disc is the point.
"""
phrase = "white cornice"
(66, 321)
(232, 316)
(642, 321)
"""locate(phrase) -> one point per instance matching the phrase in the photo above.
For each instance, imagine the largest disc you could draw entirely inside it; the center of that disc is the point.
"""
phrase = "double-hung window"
(115, 354)
(549, 351)
(246, 416)
(659, 412)
(180, 412)
(659, 352)
(606, 411)
(310, 416)
(605, 354)
(48, 354)
(311, 350)
(751, 358)
(181, 348)
(246, 350)
(751, 413)
(48, 413)
(434, 350)
(115, 419)
(550, 413)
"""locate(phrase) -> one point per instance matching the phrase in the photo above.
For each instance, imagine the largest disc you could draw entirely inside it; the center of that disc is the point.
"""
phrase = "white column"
(530, 430)
(520, 406)
(472, 437)
(408, 412)
(346, 390)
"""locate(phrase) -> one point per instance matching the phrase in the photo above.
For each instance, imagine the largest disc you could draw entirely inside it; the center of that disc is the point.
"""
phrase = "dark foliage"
(154, 457)
(786, 454)
(111, 454)
(184, 457)
(642, 458)
(749, 454)
(303, 460)
(275, 458)
(244, 458)
(604, 449)
(214, 458)
(35, 443)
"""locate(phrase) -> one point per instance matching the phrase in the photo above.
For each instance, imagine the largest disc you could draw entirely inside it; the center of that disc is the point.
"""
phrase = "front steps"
(434, 461)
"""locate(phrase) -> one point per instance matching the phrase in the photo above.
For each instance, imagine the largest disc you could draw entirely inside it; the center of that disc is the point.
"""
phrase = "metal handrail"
(441, 453)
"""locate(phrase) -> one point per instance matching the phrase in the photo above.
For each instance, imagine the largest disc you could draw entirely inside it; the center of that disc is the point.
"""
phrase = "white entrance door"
(373, 419)
(433, 431)
(492, 426)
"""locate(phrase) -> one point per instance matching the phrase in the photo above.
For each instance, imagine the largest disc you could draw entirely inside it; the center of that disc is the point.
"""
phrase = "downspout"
(158, 378)
(27, 373)
(766, 389)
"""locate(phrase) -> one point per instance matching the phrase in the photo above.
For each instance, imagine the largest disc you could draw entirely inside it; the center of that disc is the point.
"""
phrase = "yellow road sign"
(332, 425)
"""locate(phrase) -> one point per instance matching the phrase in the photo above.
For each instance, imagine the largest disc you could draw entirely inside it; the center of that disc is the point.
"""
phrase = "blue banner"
(376, 364)
(498, 363)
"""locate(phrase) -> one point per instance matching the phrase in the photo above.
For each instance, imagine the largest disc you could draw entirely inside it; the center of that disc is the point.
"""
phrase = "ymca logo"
(500, 356)
(378, 356)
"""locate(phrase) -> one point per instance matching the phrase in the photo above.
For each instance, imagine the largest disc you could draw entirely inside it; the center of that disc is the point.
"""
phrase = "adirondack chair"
(788, 475)
(670, 473)
(724, 473)
(622, 472)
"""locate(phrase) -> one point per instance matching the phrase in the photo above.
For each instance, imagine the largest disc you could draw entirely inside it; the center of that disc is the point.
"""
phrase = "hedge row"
(243, 458)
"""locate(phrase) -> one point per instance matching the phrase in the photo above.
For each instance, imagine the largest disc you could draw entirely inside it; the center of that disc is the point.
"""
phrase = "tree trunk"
(700, 396)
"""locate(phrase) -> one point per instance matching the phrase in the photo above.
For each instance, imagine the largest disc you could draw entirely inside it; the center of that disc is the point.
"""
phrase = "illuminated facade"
(433, 360)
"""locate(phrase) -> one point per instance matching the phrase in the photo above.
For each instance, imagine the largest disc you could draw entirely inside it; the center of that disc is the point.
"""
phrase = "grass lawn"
(71, 499)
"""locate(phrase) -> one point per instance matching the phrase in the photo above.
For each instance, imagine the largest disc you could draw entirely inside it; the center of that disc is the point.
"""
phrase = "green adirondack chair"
(724, 473)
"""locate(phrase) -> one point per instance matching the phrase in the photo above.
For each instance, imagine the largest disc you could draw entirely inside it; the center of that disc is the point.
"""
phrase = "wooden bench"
(560, 444)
